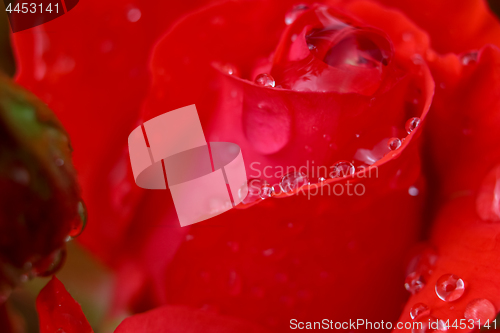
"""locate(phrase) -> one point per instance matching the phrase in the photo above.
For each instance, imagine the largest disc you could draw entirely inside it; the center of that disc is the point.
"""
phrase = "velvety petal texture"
(58, 311)
(183, 319)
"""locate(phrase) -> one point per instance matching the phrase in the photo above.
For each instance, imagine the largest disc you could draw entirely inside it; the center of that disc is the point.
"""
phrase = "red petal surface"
(293, 257)
(454, 26)
(463, 127)
(186, 320)
(58, 311)
(90, 66)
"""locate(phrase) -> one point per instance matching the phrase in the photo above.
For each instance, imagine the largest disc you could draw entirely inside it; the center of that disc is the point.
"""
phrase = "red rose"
(345, 81)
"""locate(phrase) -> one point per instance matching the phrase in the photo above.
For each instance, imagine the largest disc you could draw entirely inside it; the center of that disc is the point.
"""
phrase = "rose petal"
(285, 257)
(464, 150)
(183, 319)
(469, 24)
(58, 311)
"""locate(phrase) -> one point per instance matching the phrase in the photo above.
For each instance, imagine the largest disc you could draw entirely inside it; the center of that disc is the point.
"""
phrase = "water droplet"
(293, 181)
(468, 58)
(81, 221)
(255, 186)
(327, 137)
(58, 259)
(295, 12)
(412, 124)
(423, 261)
(265, 80)
(321, 179)
(394, 143)
(308, 149)
(189, 237)
(230, 69)
(488, 197)
(342, 169)
(414, 282)
(418, 310)
(450, 287)
(134, 14)
(413, 191)
(430, 324)
(59, 162)
(267, 190)
(480, 310)
(315, 129)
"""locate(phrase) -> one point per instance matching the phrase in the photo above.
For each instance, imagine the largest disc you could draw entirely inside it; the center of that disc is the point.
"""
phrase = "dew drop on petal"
(265, 80)
(81, 221)
(230, 69)
(293, 181)
(327, 137)
(468, 58)
(342, 169)
(412, 124)
(449, 287)
(480, 310)
(418, 310)
(254, 190)
(267, 190)
(58, 259)
(295, 12)
(394, 143)
(488, 197)
(414, 282)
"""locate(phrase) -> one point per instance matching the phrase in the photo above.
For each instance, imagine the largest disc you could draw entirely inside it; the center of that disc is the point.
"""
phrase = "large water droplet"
(81, 222)
(414, 282)
(342, 169)
(450, 287)
(418, 310)
(265, 80)
(394, 143)
(295, 12)
(480, 311)
(293, 181)
(412, 124)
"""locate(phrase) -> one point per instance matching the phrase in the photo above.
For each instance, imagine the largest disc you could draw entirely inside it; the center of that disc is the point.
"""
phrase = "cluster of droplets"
(258, 189)
(448, 288)
(410, 126)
